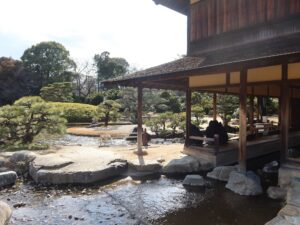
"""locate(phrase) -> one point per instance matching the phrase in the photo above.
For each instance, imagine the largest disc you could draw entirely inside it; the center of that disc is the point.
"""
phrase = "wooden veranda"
(276, 75)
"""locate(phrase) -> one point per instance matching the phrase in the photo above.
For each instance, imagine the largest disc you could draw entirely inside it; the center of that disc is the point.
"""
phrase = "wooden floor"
(228, 154)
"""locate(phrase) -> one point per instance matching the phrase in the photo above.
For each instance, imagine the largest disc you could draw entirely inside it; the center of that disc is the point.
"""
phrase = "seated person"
(195, 131)
(214, 128)
(251, 132)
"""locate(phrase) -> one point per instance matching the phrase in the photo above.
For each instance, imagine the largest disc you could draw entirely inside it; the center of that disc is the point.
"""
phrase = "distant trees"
(58, 92)
(15, 82)
(162, 121)
(227, 104)
(108, 67)
(51, 61)
(169, 101)
(84, 81)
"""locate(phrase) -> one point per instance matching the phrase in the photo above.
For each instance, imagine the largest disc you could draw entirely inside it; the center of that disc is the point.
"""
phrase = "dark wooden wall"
(295, 112)
(213, 17)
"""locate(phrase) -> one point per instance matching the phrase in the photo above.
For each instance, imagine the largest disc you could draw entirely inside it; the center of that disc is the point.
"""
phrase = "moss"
(18, 147)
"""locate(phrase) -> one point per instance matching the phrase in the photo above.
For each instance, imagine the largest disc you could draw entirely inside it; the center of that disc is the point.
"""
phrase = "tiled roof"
(214, 59)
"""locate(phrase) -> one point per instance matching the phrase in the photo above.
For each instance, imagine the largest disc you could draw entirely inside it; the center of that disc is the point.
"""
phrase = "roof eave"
(181, 6)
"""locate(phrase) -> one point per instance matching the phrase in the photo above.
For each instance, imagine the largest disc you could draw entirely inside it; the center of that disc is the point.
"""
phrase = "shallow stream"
(161, 201)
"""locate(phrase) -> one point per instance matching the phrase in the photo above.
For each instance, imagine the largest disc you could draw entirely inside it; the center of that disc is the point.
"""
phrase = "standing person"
(145, 138)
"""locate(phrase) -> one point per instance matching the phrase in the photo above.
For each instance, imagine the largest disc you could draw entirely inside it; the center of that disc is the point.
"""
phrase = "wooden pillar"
(279, 111)
(243, 122)
(140, 120)
(188, 116)
(215, 107)
(259, 113)
(284, 114)
(251, 116)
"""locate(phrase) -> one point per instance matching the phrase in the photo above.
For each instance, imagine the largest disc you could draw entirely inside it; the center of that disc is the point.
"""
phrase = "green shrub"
(76, 112)
(21, 122)
(107, 111)
(19, 146)
(58, 92)
(159, 124)
(95, 98)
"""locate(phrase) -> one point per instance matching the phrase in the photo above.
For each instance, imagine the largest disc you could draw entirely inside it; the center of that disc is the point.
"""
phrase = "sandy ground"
(112, 131)
(116, 131)
(91, 155)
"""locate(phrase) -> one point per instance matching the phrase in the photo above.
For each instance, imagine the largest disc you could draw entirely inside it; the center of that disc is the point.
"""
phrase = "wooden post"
(215, 107)
(284, 114)
(259, 113)
(243, 122)
(279, 111)
(251, 117)
(140, 120)
(188, 116)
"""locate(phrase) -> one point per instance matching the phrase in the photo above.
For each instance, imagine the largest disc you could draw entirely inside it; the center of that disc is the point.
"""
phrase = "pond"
(69, 139)
(160, 201)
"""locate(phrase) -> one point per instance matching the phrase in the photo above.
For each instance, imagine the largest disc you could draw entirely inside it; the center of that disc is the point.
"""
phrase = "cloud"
(138, 30)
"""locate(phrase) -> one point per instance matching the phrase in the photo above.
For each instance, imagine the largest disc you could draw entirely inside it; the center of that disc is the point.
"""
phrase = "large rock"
(8, 178)
(295, 183)
(293, 197)
(291, 214)
(288, 173)
(277, 193)
(194, 181)
(5, 213)
(3, 161)
(186, 165)
(22, 156)
(58, 170)
(20, 161)
(271, 167)
(244, 183)
(222, 172)
(278, 220)
(138, 169)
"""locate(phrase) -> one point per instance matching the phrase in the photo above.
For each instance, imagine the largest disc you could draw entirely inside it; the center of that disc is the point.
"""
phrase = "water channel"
(162, 201)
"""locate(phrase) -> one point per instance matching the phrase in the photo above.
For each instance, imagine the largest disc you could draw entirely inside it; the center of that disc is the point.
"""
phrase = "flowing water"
(85, 140)
(161, 201)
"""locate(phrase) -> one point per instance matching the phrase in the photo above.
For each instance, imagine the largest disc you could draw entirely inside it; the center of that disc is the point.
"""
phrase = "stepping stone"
(5, 213)
(8, 178)
(244, 183)
(194, 181)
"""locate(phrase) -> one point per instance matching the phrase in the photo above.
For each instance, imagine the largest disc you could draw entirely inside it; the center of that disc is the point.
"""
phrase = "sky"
(143, 33)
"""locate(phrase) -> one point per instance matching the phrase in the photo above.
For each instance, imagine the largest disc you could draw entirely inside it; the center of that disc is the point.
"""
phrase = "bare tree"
(85, 79)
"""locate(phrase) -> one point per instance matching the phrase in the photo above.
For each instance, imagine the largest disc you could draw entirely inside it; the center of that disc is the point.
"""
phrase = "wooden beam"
(243, 122)
(215, 107)
(140, 120)
(188, 116)
(255, 84)
(284, 114)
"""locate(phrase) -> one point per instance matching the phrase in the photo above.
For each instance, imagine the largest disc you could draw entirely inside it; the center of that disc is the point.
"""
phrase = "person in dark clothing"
(195, 131)
(215, 127)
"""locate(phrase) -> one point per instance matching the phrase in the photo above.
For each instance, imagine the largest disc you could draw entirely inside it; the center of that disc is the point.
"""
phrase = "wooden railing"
(215, 141)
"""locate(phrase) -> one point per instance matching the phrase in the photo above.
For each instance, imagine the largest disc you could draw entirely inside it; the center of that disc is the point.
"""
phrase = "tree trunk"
(106, 120)
(27, 139)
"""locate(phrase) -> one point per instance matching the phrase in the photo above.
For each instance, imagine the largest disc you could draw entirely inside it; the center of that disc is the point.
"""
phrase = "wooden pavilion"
(240, 47)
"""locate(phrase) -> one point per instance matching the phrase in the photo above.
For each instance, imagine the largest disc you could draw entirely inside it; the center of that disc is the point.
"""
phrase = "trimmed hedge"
(76, 112)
